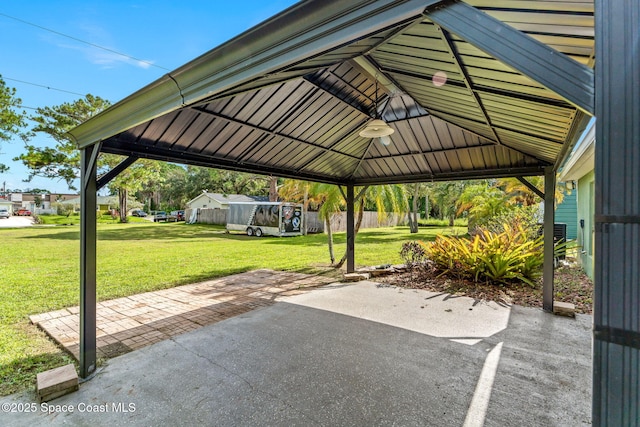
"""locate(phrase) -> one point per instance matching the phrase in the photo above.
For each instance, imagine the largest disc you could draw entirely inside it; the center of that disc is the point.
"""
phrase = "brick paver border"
(129, 323)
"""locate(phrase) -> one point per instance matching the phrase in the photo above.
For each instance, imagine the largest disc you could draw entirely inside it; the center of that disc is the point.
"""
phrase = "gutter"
(304, 31)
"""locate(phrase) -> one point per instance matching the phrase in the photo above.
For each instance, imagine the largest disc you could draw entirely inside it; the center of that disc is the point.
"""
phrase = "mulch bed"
(571, 285)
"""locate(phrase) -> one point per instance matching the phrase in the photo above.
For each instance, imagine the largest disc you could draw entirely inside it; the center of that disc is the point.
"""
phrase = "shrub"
(525, 217)
(497, 257)
(63, 209)
(412, 253)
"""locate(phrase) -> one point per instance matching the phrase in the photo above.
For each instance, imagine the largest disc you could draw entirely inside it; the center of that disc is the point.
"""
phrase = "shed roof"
(472, 89)
(227, 198)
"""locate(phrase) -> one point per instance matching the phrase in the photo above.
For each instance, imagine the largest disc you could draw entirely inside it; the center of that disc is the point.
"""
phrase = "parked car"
(159, 216)
(177, 215)
(23, 212)
(139, 213)
(4, 213)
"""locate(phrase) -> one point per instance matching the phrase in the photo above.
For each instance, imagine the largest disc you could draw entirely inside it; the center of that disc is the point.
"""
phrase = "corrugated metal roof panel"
(303, 117)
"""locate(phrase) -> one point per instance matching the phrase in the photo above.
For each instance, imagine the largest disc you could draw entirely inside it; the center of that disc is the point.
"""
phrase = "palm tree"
(445, 197)
(482, 201)
(331, 200)
(386, 198)
(522, 195)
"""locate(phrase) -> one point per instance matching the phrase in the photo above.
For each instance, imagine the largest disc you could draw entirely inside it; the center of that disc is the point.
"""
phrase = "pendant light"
(376, 128)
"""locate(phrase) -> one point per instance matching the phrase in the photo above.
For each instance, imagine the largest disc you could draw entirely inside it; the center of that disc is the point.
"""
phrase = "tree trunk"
(413, 216)
(327, 224)
(451, 220)
(273, 189)
(426, 207)
(122, 201)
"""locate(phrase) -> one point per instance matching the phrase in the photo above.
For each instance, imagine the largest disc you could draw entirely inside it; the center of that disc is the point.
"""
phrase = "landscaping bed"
(571, 285)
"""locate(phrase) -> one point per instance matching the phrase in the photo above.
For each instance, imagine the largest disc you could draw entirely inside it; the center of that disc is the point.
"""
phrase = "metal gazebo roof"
(472, 89)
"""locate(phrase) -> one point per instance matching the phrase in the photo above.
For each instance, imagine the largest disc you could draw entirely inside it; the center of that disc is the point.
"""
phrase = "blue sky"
(162, 34)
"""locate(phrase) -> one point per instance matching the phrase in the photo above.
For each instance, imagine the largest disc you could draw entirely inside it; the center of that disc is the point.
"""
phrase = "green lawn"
(40, 272)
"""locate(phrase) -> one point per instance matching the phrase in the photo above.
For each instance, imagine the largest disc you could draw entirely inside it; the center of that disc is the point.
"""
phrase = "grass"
(74, 219)
(40, 272)
(434, 222)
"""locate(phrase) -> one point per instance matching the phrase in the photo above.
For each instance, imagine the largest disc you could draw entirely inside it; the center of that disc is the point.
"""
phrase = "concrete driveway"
(348, 355)
(16, 221)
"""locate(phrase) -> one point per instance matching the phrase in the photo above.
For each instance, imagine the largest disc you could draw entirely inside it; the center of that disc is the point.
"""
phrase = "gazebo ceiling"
(483, 88)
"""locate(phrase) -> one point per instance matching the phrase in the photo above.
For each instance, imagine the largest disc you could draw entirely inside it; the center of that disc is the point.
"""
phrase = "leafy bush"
(498, 257)
(525, 217)
(412, 253)
(63, 209)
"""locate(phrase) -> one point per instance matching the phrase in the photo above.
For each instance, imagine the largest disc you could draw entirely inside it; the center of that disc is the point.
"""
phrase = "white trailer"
(266, 218)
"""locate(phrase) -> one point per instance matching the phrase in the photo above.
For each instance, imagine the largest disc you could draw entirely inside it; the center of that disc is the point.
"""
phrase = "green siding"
(586, 203)
(567, 213)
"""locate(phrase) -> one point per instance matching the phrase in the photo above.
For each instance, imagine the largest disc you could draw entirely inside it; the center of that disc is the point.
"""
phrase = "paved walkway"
(133, 322)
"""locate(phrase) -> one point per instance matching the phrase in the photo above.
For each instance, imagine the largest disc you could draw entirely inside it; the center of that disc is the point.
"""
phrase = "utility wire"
(44, 86)
(83, 41)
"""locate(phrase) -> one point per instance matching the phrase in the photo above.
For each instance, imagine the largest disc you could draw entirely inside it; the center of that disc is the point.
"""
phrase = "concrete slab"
(461, 319)
(294, 363)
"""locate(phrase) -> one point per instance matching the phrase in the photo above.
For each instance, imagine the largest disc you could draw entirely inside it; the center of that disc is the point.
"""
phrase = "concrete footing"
(56, 382)
(564, 309)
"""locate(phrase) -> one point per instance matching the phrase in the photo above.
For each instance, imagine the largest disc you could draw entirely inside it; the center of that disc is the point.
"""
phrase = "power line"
(44, 86)
(83, 41)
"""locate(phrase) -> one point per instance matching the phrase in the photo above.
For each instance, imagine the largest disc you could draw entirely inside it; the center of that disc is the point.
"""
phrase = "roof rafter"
(566, 77)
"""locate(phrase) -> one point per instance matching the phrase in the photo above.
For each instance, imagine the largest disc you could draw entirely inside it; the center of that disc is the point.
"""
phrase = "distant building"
(221, 201)
(105, 203)
(37, 203)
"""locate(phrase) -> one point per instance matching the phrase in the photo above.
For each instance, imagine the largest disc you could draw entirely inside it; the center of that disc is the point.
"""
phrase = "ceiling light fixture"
(376, 128)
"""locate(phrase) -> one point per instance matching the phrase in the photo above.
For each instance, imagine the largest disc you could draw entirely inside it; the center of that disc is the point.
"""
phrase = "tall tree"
(273, 188)
(62, 161)
(134, 178)
(11, 120)
(417, 191)
(445, 196)
(390, 198)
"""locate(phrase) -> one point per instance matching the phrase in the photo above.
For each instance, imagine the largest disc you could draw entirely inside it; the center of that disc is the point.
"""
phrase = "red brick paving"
(129, 323)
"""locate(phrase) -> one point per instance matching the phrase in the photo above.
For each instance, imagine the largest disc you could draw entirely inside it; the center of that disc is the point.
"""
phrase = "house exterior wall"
(6, 204)
(205, 202)
(567, 213)
(586, 203)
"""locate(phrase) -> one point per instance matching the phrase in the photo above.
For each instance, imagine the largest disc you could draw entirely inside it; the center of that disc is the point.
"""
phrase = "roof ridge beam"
(566, 77)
